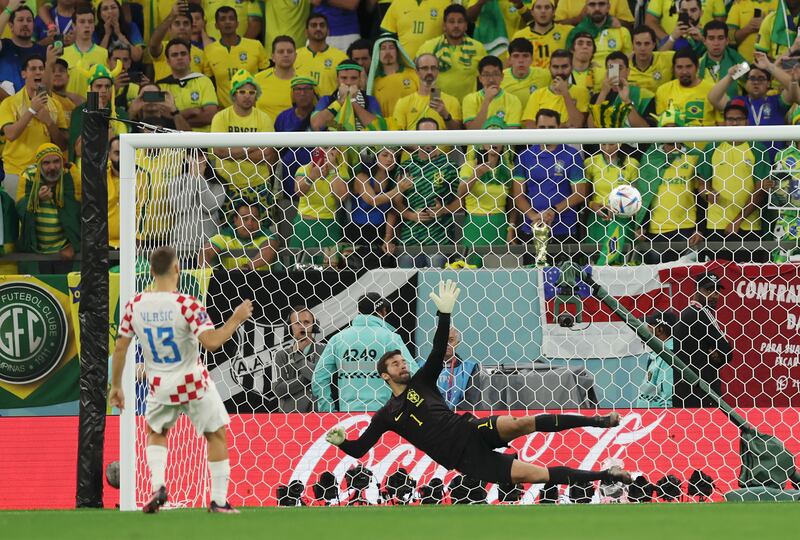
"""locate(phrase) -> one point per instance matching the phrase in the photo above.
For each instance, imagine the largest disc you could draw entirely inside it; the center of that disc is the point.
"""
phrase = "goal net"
(325, 230)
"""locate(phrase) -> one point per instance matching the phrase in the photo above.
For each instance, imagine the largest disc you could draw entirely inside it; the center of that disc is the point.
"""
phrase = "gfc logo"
(33, 332)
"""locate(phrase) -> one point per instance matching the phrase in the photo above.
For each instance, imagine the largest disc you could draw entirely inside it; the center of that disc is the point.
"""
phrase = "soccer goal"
(330, 231)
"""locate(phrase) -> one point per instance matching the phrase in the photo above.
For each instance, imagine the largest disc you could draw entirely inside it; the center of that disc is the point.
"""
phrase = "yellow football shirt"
(389, 89)
(113, 209)
(739, 16)
(244, 10)
(764, 40)
(321, 67)
(415, 22)
(523, 88)
(285, 18)
(568, 9)
(605, 176)
(196, 90)
(483, 198)
(734, 180)
(675, 203)
(504, 106)
(412, 108)
(544, 98)
(243, 173)
(222, 62)
(232, 249)
(276, 93)
(162, 69)
(660, 9)
(458, 64)
(610, 40)
(320, 202)
(692, 102)
(511, 17)
(80, 61)
(19, 153)
(657, 73)
(545, 44)
(154, 211)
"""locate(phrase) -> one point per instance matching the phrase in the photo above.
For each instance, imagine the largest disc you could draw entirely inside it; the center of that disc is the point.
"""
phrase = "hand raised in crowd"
(681, 29)
(39, 103)
(491, 92)
(403, 185)
(560, 86)
(45, 193)
(168, 105)
(761, 61)
(343, 94)
(52, 54)
(438, 105)
(696, 34)
(754, 25)
(624, 90)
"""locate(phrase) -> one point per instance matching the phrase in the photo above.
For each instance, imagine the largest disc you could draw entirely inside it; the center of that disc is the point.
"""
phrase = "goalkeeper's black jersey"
(420, 414)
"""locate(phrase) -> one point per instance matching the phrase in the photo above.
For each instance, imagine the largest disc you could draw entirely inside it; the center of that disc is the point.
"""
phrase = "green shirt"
(709, 69)
(49, 231)
(788, 226)
(232, 248)
(435, 181)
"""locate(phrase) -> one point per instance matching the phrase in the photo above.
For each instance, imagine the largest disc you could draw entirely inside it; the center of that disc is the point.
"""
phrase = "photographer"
(294, 364)
(687, 33)
(152, 106)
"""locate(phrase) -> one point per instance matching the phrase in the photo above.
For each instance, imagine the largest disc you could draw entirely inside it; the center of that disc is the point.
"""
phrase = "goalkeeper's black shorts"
(479, 460)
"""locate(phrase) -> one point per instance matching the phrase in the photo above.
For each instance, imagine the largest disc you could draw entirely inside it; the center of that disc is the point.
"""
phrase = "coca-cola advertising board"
(38, 465)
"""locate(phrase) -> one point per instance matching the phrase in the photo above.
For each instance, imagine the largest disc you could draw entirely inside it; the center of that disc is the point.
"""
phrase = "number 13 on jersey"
(162, 343)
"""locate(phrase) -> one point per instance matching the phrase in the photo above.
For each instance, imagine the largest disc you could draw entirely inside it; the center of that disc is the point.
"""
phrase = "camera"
(358, 479)
(566, 320)
(291, 495)
(153, 97)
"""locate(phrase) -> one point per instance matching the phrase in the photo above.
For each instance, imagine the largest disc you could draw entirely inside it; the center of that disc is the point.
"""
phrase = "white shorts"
(206, 414)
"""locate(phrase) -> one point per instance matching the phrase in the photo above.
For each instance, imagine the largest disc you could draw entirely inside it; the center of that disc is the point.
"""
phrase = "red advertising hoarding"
(38, 464)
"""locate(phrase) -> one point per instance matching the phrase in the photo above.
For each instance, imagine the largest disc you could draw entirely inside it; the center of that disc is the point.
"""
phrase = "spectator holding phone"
(427, 102)
(29, 119)
(58, 89)
(744, 20)
(177, 25)
(662, 15)
(113, 29)
(194, 94)
(54, 22)
(762, 109)
(719, 58)
(127, 83)
(157, 108)
(322, 185)
(686, 33)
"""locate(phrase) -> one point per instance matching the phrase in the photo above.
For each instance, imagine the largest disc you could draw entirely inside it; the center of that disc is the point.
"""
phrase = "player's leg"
(522, 472)
(156, 456)
(219, 466)
(511, 427)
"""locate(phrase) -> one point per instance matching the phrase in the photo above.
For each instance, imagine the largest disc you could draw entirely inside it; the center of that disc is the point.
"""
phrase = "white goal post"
(130, 458)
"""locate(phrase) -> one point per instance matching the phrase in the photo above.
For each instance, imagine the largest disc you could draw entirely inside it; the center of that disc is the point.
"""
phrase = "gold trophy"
(541, 236)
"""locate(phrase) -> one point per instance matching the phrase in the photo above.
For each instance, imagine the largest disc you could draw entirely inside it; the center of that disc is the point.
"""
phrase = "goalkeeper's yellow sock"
(157, 462)
(220, 474)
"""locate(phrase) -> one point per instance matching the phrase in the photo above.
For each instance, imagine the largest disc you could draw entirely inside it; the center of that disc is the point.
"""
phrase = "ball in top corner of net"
(625, 200)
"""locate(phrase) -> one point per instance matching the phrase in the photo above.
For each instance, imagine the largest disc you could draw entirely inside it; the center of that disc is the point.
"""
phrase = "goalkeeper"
(418, 413)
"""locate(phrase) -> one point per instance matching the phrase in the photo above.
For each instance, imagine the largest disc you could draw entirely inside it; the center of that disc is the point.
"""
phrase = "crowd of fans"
(253, 66)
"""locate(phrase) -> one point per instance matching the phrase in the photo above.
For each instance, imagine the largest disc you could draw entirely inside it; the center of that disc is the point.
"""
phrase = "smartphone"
(318, 156)
(789, 63)
(153, 97)
(683, 18)
(41, 89)
(135, 76)
(436, 93)
(756, 13)
(741, 69)
(613, 72)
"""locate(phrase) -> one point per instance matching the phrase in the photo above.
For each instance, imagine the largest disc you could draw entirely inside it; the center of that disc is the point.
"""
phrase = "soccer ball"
(112, 474)
(625, 200)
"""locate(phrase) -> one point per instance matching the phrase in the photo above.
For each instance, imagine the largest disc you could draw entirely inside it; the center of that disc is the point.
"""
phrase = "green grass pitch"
(757, 521)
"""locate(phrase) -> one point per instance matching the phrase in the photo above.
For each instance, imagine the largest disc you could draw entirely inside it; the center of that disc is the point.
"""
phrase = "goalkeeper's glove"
(446, 299)
(335, 436)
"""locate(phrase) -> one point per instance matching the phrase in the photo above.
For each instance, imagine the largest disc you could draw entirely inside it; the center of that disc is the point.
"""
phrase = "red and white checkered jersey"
(167, 326)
